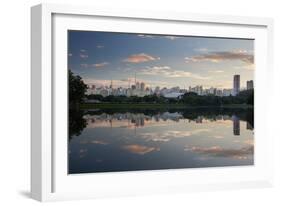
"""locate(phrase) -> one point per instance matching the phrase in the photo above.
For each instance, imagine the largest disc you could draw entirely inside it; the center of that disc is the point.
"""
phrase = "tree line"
(189, 98)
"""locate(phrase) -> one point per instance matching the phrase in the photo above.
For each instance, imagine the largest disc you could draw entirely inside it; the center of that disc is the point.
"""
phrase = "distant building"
(219, 92)
(236, 85)
(250, 84)
(142, 86)
(104, 92)
(226, 92)
(197, 89)
(173, 95)
(138, 86)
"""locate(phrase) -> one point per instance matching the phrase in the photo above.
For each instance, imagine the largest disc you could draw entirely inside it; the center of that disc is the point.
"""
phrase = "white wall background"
(15, 101)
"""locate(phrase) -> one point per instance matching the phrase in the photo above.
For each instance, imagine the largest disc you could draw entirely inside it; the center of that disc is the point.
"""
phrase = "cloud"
(169, 72)
(102, 64)
(158, 36)
(218, 151)
(201, 49)
(145, 36)
(216, 57)
(84, 56)
(139, 149)
(216, 71)
(245, 67)
(139, 58)
(172, 37)
(84, 65)
(98, 65)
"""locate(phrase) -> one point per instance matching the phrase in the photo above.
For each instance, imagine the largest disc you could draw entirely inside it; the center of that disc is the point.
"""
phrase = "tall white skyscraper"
(142, 86)
(236, 84)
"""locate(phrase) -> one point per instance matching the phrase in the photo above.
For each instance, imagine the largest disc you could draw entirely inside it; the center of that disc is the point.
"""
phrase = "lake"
(128, 140)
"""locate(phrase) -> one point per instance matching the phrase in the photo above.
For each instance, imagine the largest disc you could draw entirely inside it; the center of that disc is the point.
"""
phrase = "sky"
(159, 60)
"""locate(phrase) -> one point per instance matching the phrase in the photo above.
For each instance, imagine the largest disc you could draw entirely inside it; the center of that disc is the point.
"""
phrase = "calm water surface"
(112, 140)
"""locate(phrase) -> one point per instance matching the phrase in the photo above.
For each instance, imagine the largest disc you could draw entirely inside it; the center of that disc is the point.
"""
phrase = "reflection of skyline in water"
(147, 140)
(135, 120)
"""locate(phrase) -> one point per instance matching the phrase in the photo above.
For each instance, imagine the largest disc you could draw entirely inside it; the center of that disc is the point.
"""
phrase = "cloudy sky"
(158, 60)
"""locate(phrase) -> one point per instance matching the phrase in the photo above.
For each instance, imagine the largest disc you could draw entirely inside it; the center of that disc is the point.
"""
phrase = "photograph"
(139, 101)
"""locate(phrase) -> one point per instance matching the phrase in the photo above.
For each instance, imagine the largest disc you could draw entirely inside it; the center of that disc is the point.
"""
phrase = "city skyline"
(165, 61)
(134, 82)
(140, 89)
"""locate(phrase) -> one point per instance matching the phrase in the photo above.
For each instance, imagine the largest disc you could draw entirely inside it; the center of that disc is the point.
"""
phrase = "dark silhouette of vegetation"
(76, 94)
(244, 97)
(190, 98)
(132, 99)
(76, 89)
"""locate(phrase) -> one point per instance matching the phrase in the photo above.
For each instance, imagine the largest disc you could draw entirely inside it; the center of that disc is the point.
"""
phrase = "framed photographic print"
(138, 102)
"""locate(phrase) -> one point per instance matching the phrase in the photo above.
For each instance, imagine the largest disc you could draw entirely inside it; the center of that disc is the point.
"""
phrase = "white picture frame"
(49, 179)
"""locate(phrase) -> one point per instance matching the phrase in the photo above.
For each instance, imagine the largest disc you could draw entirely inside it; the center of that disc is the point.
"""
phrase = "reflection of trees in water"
(76, 122)
(195, 114)
(78, 118)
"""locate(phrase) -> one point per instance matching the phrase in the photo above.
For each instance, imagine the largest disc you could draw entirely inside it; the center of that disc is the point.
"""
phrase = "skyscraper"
(250, 84)
(142, 86)
(138, 86)
(236, 84)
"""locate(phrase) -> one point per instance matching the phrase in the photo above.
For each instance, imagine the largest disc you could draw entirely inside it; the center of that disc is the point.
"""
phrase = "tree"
(95, 97)
(77, 89)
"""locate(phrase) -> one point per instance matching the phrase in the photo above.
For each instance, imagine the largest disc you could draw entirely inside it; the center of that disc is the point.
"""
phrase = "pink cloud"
(241, 55)
(102, 64)
(138, 58)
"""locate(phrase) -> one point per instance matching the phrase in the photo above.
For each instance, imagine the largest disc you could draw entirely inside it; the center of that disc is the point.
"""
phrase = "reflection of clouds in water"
(249, 141)
(82, 152)
(218, 137)
(100, 142)
(139, 149)
(218, 151)
(150, 136)
(99, 160)
(169, 135)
